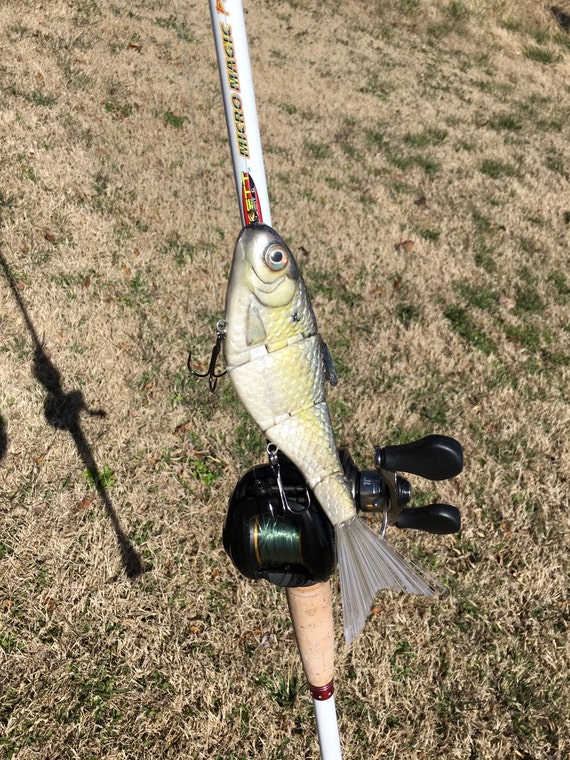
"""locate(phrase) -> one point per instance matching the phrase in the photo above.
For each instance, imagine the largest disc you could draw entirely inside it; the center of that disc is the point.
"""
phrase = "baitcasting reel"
(275, 528)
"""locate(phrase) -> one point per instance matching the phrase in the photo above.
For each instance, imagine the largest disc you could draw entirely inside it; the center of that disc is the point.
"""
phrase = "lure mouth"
(267, 286)
(276, 293)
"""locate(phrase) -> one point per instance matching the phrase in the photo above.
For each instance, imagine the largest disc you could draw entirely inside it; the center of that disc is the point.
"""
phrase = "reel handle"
(435, 457)
(441, 519)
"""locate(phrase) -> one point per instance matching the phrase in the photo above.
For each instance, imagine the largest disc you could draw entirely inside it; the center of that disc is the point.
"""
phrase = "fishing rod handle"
(311, 613)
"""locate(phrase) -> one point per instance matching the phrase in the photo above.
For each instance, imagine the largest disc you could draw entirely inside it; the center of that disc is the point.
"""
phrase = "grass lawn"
(418, 165)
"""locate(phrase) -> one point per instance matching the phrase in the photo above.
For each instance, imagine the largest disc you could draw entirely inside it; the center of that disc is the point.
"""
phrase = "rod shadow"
(63, 411)
(3, 438)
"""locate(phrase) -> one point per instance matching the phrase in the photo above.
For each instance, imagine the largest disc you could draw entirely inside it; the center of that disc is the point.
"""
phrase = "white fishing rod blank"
(310, 607)
(232, 53)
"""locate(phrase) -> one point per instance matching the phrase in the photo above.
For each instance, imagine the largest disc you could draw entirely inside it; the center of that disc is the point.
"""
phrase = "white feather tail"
(368, 563)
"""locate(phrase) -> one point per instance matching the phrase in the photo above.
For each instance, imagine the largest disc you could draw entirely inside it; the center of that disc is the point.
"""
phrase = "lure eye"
(276, 258)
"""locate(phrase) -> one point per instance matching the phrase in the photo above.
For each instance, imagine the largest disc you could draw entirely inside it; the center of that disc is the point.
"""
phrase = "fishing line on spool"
(276, 541)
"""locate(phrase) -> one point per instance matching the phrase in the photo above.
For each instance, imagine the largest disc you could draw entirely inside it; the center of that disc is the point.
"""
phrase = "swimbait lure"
(279, 366)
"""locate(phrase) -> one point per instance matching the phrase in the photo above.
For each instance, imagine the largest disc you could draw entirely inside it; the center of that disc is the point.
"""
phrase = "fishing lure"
(279, 366)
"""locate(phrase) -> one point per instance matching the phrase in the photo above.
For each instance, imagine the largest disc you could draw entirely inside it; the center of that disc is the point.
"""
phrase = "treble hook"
(211, 373)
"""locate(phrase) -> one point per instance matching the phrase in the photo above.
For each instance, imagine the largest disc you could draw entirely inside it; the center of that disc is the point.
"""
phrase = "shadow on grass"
(63, 412)
(3, 438)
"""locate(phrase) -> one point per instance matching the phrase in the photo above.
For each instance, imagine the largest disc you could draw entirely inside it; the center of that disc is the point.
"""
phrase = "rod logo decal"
(233, 82)
(249, 199)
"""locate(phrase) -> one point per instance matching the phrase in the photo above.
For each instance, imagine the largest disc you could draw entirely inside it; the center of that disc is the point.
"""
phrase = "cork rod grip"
(311, 612)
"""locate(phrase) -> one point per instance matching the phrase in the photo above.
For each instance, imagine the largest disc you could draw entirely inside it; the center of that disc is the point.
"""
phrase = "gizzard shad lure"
(279, 366)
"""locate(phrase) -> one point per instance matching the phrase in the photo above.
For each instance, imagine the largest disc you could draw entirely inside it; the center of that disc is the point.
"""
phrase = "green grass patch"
(376, 86)
(249, 443)
(463, 324)
(557, 162)
(41, 98)
(528, 300)
(104, 478)
(428, 234)
(457, 11)
(279, 688)
(496, 169)
(506, 121)
(526, 335)
(118, 110)
(542, 54)
(176, 24)
(417, 160)
(477, 295)
(407, 313)
(206, 470)
(183, 252)
(375, 139)
(560, 282)
(173, 120)
(318, 151)
(425, 138)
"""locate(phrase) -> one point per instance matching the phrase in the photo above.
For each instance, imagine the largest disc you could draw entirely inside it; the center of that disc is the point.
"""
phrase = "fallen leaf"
(85, 502)
(405, 245)
(183, 427)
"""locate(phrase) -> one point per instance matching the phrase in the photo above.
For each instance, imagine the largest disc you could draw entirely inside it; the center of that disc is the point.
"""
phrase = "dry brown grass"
(124, 630)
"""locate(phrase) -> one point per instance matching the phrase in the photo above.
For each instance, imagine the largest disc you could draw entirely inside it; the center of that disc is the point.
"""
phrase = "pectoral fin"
(254, 329)
(330, 372)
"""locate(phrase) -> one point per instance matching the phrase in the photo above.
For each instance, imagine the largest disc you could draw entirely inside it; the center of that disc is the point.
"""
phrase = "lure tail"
(368, 563)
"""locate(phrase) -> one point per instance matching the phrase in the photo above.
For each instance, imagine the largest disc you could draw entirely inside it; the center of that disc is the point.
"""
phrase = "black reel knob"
(436, 457)
(441, 519)
(289, 544)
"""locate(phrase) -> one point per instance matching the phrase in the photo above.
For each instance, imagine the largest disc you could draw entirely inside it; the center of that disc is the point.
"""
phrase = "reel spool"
(282, 537)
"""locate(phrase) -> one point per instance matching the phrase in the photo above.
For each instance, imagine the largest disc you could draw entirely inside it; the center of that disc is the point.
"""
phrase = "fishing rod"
(310, 606)
(275, 527)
